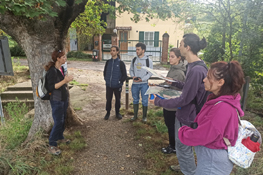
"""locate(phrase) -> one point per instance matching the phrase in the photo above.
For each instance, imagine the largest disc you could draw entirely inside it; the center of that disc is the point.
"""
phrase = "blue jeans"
(59, 113)
(136, 88)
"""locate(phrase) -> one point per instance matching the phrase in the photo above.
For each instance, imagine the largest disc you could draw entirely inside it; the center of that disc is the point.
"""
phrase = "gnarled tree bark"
(39, 38)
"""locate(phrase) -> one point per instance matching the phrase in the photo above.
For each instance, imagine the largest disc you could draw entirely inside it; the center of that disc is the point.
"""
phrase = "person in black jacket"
(57, 85)
(114, 75)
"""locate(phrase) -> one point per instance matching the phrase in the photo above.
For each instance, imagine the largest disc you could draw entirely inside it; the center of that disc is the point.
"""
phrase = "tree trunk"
(39, 38)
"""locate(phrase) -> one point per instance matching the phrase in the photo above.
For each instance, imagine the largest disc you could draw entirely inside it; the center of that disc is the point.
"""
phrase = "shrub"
(78, 54)
(17, 51)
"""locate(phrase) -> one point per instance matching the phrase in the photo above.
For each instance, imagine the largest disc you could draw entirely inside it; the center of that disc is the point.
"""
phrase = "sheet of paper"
(156, 75)
(163, 92)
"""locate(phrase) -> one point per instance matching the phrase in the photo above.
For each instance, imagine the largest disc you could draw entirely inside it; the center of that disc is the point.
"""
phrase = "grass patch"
(78, 108)
(74, 82)
(33, 158)
(15, 131)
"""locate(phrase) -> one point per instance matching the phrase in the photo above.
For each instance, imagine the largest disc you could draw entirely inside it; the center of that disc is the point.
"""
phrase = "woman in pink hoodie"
(217, 119)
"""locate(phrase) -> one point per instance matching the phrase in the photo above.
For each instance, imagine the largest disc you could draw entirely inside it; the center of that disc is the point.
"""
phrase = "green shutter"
(156, 39)
(141, 37)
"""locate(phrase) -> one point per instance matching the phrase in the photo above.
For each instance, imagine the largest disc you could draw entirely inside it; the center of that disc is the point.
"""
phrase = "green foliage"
(17, 127)
(74, 82)
(89, 22)
(78, 54)
(31, 8)
(255, 101)
(213, 51)
(17, 51)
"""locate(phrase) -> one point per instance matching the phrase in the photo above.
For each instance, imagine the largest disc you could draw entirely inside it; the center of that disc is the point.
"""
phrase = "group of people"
(115, 74)
(217, 119)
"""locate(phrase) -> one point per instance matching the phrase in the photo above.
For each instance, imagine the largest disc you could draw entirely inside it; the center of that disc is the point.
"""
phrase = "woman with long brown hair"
(57, 85)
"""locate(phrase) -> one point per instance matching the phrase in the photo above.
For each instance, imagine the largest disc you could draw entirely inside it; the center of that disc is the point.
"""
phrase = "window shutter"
(141, 37)
(156, 39)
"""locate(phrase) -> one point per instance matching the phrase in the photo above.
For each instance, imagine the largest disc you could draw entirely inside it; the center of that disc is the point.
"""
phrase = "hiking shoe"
(54, 150)
(175, 168)
(168, 150)
(107, 116)
(67, 141)
(119, 116)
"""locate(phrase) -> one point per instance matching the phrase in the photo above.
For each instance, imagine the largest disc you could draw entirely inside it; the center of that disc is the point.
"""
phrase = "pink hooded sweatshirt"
(215, 121)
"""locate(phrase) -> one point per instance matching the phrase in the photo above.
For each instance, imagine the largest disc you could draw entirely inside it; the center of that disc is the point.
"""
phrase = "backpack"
(41, 90)
(194, 101)
(240, 154)
(147, 61)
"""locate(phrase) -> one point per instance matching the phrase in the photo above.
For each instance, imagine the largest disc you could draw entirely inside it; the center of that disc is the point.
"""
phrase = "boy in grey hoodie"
(140, 80)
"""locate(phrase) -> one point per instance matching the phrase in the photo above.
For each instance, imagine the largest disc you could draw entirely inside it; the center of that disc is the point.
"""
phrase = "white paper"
(155, 74)
(163, 92)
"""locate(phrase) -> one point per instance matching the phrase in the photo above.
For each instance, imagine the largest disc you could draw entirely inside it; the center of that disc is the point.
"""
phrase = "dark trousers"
(117, 94)
(169, 119)
(59, 113)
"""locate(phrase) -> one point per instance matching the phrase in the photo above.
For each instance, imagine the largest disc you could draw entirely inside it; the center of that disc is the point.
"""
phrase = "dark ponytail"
(56, 54)
(202, 44)
(194, 42)
(118, 50)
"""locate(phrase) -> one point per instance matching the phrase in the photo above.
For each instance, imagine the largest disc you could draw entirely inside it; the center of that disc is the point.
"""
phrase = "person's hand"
(179, 129)
(168, 82)
(140, 80)
(68, 78)
(151, 84)
(152, 101)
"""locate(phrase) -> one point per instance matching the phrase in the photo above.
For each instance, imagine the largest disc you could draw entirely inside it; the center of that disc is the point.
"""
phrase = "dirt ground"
(112, 149)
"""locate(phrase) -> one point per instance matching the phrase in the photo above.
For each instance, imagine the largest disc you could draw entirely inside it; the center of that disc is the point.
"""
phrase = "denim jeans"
(136, 88)
(59, 113)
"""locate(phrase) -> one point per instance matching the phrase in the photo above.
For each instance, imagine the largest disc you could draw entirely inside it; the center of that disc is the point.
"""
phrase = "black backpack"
(194, 101)
(147, 61)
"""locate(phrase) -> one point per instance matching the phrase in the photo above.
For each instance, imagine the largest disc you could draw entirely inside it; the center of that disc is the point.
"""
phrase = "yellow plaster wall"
(174, 29)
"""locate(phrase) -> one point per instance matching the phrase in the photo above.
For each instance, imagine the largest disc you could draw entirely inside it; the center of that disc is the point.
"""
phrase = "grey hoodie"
(136, 69)
(176, 72)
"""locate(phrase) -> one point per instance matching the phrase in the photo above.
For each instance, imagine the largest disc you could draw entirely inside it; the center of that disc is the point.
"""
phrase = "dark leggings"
(169, 119)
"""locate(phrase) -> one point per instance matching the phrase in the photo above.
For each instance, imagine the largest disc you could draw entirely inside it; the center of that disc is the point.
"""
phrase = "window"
(149, 38)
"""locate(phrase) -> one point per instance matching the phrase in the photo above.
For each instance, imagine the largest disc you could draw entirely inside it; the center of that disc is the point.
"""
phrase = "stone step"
(17, 88)
(29, 103)
(21, 95)
(24, 88)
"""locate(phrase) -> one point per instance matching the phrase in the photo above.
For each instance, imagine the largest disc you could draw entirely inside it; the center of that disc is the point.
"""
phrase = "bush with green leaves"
(78, 54)
(17, 51)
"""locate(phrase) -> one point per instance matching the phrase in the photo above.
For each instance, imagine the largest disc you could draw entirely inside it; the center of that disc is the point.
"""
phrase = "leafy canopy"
(31, 8)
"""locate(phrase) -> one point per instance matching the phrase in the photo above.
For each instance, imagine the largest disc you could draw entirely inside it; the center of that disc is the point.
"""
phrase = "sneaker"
(175, 168)
(54, 150)
(107, 116)
(119, 116)
(67, 141)
(168, 150)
